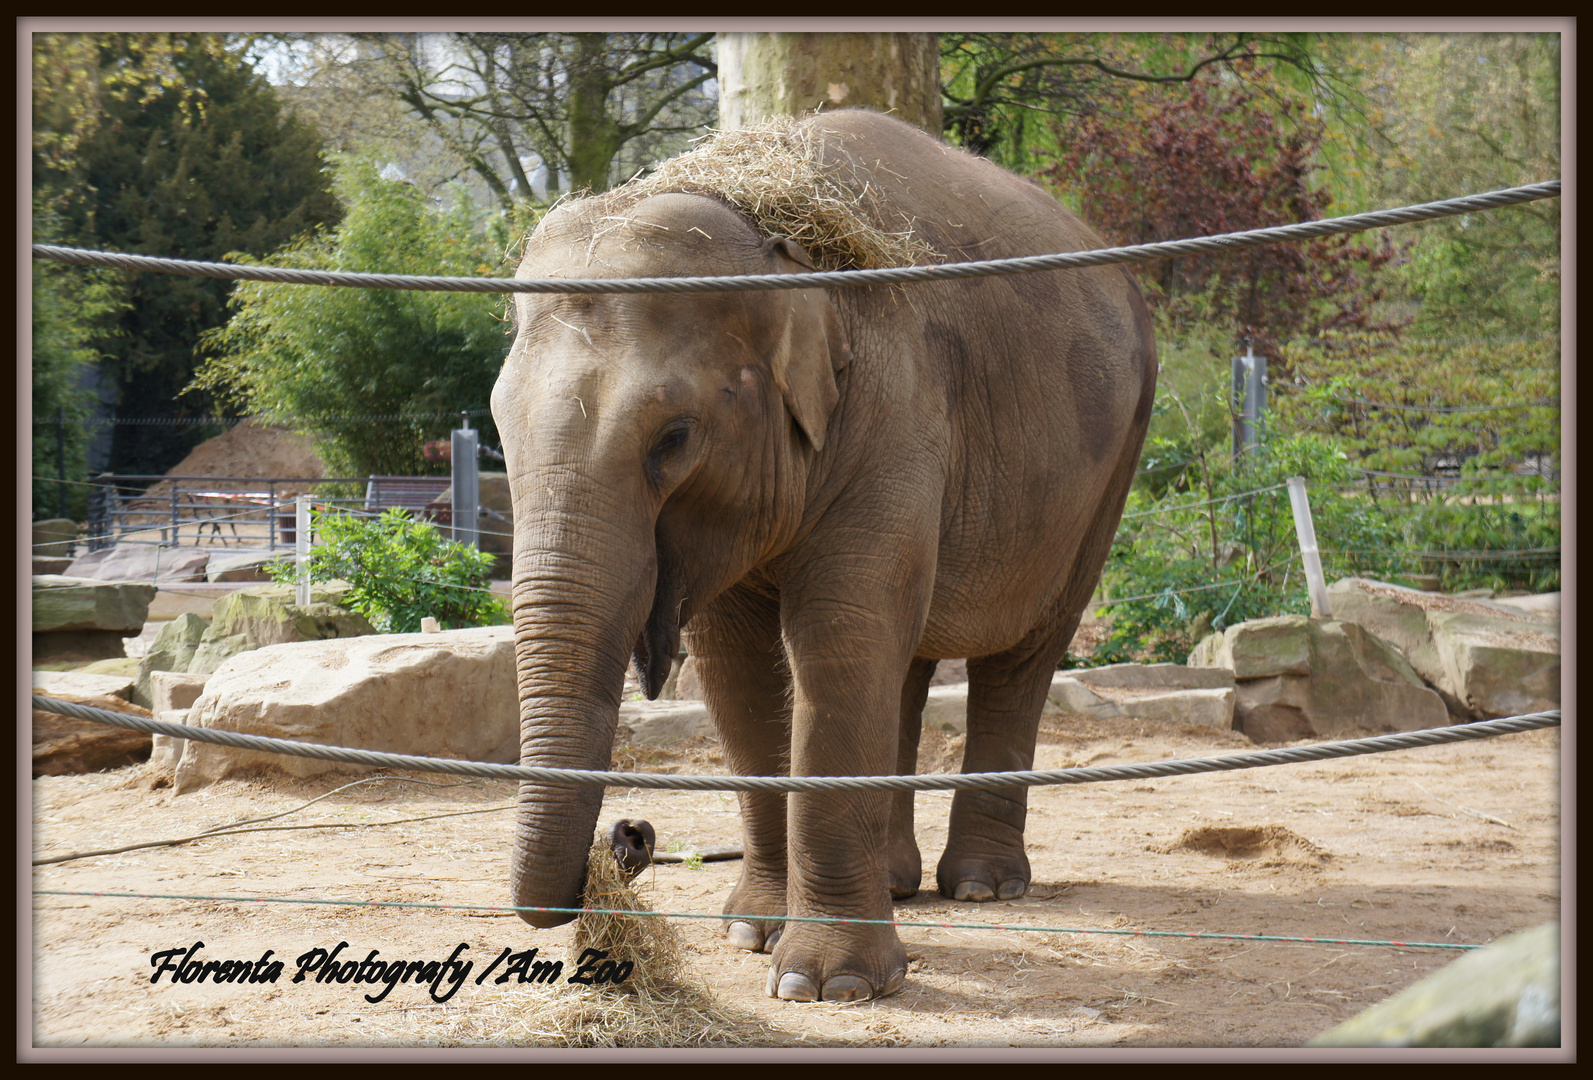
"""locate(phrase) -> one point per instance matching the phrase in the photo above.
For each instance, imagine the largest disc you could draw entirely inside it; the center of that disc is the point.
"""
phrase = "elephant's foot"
(982, 877)
(905, 866)
(826, 962)
(755, 894)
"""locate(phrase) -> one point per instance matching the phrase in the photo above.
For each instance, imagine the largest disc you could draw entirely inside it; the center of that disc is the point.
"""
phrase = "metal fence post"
(1306, 531)
(467, 486)
(301, 550)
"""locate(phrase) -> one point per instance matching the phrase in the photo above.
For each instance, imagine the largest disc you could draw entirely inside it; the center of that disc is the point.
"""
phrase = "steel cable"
(955, 782)
(1223, 242)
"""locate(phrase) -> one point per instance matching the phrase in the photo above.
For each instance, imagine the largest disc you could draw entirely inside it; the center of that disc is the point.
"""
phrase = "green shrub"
(402, 569)
(1219, 548)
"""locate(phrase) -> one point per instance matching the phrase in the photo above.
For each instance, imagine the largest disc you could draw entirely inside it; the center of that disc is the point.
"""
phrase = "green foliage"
(402, 570)
(167, 145)
(71, 309)
(327, 360)
(1215, 532)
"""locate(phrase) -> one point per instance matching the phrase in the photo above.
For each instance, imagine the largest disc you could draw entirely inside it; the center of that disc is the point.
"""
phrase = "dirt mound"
(253, 451)
(1269, 845)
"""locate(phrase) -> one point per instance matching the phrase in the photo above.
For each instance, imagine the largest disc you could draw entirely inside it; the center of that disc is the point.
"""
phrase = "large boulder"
(1486, 659)
(63, 604)
(268, 615)
(65, 745)
(78, 619)
(1298, 677)
(143, 562)
(243, 566)
(451, 694)
(54, 538)
(172, 650)
(1507, 994)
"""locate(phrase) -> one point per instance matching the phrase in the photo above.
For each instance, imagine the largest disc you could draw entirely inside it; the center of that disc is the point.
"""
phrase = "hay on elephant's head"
(776, 175)
(661, 1004)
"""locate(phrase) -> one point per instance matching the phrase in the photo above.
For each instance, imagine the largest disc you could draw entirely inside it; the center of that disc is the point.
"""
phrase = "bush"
(402, 570)
(1218, 548)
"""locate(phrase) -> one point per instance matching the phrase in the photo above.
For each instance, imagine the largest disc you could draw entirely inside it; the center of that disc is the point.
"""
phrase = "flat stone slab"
(657, 723)
(1153, 677)
(64, 604)
(946, 708)
(56, 683)
(65, 746)
(143, 562)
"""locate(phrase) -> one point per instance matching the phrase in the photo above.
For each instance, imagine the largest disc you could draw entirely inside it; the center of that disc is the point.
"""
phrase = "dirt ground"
(1457, 844)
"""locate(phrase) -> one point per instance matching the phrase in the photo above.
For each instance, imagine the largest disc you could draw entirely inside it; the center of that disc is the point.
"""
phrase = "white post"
(301, 550)
(1303, 528)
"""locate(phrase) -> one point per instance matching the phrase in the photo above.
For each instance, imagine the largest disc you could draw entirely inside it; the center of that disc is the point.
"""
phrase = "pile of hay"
(777, 176)
(661, 1004)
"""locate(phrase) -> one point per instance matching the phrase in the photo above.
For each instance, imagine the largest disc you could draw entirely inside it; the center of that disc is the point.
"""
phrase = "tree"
(1214, 158)
(765, 75)
(1468, 113)
(526, 114)
(71, 307)
(1008, 95)
(167, 145)
(371, 373)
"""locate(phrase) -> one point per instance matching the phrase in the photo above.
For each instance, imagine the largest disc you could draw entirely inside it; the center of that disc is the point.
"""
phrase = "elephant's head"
(657, 447)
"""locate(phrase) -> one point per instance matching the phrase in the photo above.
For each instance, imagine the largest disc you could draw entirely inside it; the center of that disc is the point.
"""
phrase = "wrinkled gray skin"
(824, 491)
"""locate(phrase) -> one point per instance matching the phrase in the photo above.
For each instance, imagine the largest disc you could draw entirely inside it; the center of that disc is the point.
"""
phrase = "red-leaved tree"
(1220, 155)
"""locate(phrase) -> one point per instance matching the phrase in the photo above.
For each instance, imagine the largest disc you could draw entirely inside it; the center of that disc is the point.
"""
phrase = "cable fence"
(684, 782)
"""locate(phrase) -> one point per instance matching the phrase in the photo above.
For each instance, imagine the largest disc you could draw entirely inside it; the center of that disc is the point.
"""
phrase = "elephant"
(822, 492)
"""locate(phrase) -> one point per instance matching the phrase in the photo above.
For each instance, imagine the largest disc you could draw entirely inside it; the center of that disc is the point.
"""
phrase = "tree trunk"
(594, 137)
(767, 75)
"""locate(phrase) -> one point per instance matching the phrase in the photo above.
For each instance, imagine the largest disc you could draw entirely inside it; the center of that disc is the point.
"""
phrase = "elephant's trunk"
(582, 593)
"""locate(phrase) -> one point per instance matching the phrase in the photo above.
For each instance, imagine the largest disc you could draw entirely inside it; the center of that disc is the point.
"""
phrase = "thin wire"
(824, 919)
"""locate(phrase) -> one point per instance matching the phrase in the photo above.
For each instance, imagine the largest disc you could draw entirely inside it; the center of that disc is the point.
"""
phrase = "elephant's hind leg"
(735, 647)
(901, 853)
(984, 857)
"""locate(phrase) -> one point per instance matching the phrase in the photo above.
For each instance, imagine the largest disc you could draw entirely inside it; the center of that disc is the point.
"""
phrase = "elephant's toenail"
(794, 986)
(1012, 889)
(772, 940)
(894, 983)
(847, 988)
(743, 935)
(977, 891)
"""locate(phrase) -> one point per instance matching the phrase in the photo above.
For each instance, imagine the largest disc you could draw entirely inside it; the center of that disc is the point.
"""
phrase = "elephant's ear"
(808, 351)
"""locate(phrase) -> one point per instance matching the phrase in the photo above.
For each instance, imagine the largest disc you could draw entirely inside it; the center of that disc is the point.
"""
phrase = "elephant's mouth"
(659, 641)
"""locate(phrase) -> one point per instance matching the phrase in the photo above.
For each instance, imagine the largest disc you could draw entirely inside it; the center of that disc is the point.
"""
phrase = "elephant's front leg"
(848, 663)
(735, 648)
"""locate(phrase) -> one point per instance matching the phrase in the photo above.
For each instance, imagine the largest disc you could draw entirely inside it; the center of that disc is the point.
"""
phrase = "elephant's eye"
(673, 436)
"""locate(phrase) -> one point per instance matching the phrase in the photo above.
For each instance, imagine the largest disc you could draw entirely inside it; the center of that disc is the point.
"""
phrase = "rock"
(442, 695)
(1153, 677)
(1507, 994)
(54, 538)
(58, 683)
(1486, 659)
(76, 647)
(656, 723)
(246, 566)
(172, 650)
(266, 615)
(175, 690)
(47, 564)
(946, 708)
(65, 604)
(65, 745)
(1542, 605)
(1169, 693)
(1264, 648)
(124, 667)
(1353, 680)
(143, 562)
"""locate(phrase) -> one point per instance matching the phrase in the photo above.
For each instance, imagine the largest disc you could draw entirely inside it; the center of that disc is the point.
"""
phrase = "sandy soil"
(1445, 844)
